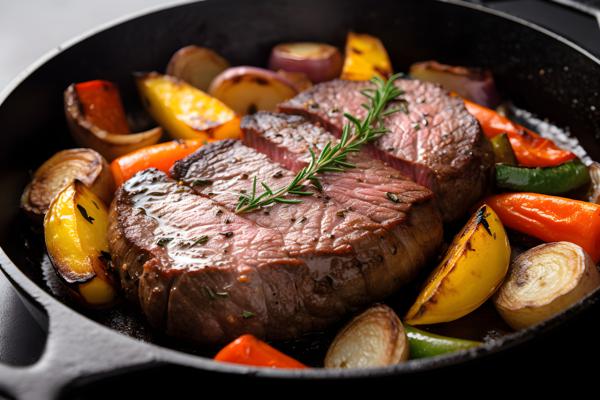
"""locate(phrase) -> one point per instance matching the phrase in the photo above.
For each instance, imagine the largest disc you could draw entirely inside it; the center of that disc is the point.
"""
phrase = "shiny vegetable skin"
(503, 152)
(551, 218)
(102, 105)
(319, 61)
(248, 350)
(161, 156)
(424, 344)
(61, 170)
(544, 281)
(75, 229)
(184, 111)
(365, 58)
(550, 180)
(375, 338)
(473, 268)
(196, 65)
(530, 148)
(87, 134)
(474, 84)
(249, 89)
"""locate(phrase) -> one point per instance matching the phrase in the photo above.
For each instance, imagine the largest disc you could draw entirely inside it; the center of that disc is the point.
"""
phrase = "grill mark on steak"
(437, 143)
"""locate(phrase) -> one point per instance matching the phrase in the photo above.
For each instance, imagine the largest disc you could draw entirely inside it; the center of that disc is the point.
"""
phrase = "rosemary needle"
(332, 158)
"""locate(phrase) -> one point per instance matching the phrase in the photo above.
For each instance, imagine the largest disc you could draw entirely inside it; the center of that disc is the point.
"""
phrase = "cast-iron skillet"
(536, 69)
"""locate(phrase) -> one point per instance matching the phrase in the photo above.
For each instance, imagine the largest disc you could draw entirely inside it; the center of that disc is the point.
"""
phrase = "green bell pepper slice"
(551, 180)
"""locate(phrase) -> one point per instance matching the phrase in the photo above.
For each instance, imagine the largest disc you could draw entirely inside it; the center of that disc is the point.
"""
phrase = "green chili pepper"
(424, 344)
(551, 180)
(503, 151)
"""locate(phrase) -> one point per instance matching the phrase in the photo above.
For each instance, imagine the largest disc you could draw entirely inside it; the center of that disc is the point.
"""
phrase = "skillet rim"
(48, 303)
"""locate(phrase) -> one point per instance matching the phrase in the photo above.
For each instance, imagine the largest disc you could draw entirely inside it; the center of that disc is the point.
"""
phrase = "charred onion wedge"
(60, 170)
(249, 89)
(196, 65)
(375, 338)
(544, 281)
(298, 79)
(110, 144)
(469, 274)
(75, 229)
(474, 84)
(319, 61)
(594, 192)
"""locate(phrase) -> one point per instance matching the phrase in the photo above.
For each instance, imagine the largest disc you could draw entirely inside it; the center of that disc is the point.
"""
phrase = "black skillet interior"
(33, 124)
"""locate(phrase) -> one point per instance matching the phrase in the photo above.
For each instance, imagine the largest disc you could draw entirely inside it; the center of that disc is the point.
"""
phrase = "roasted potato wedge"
(375, 338)
(365, 58)
(111, 145)
(62, 169)
(249, 89)
(196, 65)
(544, 281)
(469, 274)
(184, 111)
(75, 230)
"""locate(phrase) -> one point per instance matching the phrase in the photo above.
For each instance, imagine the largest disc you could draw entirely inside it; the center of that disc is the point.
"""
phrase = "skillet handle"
(75, 348)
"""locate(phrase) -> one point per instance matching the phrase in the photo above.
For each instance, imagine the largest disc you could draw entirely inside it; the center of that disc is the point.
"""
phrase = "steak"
(436, 142)
(203, 273)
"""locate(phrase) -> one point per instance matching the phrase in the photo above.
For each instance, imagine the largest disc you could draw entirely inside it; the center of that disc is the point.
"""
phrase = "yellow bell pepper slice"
(365, 58)
(185, 111)
(469, 274)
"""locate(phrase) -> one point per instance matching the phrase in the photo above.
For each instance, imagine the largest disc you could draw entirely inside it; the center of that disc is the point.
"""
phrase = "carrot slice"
(551, 218)
(161, 156)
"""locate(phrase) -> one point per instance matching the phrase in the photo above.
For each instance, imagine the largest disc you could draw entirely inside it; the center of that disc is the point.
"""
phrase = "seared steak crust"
(203, 273)
(436, 142)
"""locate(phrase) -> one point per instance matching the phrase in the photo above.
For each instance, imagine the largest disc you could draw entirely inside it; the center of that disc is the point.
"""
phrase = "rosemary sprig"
(332, 158)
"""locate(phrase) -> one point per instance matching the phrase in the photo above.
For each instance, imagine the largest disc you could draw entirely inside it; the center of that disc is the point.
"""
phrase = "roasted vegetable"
(375, 338)
(248, 350)
(365, 58)
(160, 156)
(102, 106)
(184, 111)
(75, 229)
(531, 149)
(320, 62)
(551, 219)
(196, 65)
(594, 192)
(298, 79)
(503, 152)
(474, 84)
(544, 281)
(550, 180)
(59, 171)
(472, 269)
(249, 89)
(87, 134)
(424, 344)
